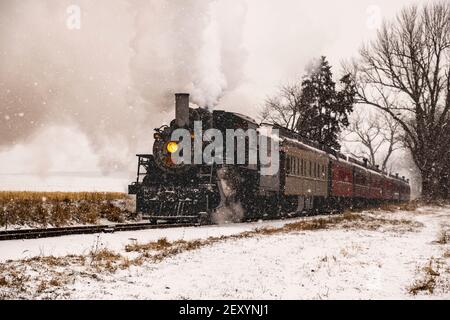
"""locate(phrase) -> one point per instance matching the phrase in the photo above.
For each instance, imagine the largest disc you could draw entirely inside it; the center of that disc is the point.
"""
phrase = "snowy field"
(369, 255)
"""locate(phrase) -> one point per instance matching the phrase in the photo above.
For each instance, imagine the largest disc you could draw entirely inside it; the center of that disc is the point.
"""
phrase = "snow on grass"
(374, 254)
(82, 244)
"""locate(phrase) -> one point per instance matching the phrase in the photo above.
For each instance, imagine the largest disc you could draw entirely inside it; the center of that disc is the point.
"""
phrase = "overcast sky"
(87, 99)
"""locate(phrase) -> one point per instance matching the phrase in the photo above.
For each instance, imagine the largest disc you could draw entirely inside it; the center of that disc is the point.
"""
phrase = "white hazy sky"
(87, 100)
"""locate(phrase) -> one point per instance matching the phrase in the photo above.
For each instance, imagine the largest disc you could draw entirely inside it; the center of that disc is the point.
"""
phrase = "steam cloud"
(186, 46)
(114, 78)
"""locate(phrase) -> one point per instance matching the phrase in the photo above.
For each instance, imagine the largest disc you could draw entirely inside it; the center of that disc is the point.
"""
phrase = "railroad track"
(56, 232)
(64, 231)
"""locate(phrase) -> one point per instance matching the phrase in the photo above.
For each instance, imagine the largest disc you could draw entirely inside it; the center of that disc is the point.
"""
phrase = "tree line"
(404, 73)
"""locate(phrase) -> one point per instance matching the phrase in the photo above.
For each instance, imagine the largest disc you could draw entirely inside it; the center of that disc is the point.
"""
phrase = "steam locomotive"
(308, 177)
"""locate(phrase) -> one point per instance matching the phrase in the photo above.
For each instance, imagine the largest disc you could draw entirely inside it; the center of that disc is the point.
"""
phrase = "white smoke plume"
(113, 80)
(115, 77)
(186, 46)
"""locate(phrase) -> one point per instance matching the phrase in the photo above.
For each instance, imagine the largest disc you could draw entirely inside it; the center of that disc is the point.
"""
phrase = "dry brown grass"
(352, 220)
(13, 278)
(112, 213)
(324, 222)
(105, 260)
(403, 206)
(50, 284)
(41, 209)
(104, 255)
(434, 202)
(49, 261)
(156, 245)
(165, 248)
(443, 237)
(428, 282)
(60, 196)
(3, 282)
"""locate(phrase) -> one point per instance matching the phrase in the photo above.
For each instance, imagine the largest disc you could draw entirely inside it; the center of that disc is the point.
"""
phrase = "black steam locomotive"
(308, 178)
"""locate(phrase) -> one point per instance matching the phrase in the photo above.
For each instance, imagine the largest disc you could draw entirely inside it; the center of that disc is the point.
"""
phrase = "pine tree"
(324, 111)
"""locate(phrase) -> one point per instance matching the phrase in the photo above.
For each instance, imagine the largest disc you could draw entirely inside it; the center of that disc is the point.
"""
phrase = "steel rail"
(64, 231)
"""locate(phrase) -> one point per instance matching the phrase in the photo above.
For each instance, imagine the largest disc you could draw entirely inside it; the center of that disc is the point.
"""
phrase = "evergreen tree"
(324, 110)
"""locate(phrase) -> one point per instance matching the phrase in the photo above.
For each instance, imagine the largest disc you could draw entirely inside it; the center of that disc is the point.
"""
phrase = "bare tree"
(376, 137)
(283, 108)
(406, 73)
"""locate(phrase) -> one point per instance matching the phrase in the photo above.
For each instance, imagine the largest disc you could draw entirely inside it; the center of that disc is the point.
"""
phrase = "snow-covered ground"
(383, 256)
(83, 244)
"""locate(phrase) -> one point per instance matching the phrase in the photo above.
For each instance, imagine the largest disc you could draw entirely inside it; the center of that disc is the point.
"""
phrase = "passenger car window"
(288, 164)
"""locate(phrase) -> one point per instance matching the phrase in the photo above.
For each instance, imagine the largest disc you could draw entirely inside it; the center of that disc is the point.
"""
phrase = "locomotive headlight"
(172, 147)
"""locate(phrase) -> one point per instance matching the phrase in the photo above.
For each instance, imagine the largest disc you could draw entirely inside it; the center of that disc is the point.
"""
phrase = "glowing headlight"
(172, 147)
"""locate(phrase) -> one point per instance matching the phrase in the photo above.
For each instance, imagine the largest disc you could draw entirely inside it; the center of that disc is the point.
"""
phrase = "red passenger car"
(341, 179)
(376, 186)
(361, 180)
(388, 189)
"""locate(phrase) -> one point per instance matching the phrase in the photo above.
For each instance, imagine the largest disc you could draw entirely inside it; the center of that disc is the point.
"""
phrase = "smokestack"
(182, 109)
(365, 162)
